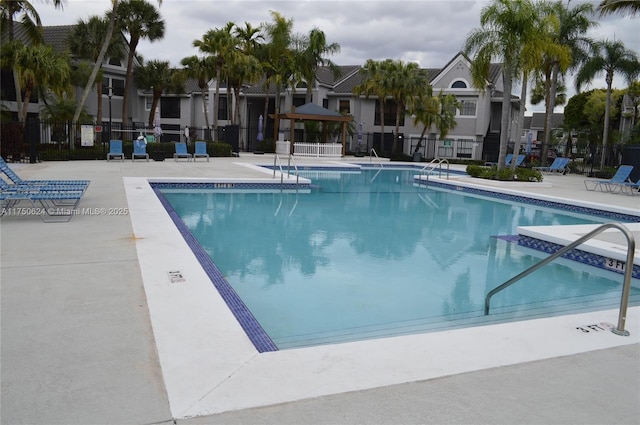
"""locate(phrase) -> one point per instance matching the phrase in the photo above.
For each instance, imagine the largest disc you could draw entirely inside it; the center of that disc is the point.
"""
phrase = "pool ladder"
(626, 286)
(276, 160)
(431, 167)
(373, 153)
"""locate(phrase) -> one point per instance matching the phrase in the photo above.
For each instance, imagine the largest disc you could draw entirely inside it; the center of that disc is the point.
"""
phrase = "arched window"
(459, 85)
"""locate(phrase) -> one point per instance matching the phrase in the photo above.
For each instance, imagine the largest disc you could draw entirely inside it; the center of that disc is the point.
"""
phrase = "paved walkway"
(77, 345)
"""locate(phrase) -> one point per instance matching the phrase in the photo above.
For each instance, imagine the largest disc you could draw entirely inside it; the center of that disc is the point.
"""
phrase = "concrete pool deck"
(78, 344)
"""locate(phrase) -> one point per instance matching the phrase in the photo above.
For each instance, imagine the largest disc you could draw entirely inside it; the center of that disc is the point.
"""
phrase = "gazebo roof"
(313, 112)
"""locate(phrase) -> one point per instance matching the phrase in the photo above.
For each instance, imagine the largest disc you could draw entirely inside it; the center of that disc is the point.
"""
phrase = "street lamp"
(110, 94)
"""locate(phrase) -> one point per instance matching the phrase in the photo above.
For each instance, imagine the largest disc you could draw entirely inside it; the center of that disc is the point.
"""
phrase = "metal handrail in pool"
(373, 151)
(276, 159)
(626, 286)
(435, 162)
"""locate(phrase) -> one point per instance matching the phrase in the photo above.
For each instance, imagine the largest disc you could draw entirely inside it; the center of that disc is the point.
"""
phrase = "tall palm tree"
(217, 43)
(624, 7)
(39, 67)
(501, 35)
(407, 81)
(200, 68)
(140, 20)
(98, 64)
(85, 41)
(312, 51)
(608, 57)
(30, 20)
(535, 43)
(278, 58)
(566, 49)
(159, 77)
(375, 82)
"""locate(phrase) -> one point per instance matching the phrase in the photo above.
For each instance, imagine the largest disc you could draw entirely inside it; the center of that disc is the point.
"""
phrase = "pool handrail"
(626, 286)
(276, 159)
(432, 166)
(373, 151)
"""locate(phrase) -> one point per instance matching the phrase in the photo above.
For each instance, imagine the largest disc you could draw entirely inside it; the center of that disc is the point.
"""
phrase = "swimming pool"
(363, 237)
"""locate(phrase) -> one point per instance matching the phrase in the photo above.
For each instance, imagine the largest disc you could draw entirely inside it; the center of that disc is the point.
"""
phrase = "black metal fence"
(38, 140)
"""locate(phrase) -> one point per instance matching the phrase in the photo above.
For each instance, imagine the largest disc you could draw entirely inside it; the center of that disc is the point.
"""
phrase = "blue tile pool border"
(257, 335)
(578, 255)
(610, 215)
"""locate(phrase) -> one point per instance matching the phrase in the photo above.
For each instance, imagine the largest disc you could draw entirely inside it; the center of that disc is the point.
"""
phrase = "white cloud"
(429, 32)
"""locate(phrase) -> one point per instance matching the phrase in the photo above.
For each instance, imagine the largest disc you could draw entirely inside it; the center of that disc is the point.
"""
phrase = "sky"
(429, 32)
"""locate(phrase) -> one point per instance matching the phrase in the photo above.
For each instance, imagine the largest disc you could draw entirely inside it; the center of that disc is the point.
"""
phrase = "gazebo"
(313, 112)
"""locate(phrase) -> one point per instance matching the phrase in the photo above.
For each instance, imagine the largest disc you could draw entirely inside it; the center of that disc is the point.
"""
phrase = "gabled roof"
(311, 111)
(537, 120)
(57, 37)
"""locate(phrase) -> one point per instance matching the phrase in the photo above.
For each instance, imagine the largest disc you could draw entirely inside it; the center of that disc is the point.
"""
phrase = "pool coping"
(223, 372)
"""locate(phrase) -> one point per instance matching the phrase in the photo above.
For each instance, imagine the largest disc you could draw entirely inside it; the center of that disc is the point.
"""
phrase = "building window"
(222, 108)
(169, 107)
(345, 107)
(390, 108)
(468, 108)
(116, 84)
(299, 100)
(148, 103)
(459, 85)
(325, 103)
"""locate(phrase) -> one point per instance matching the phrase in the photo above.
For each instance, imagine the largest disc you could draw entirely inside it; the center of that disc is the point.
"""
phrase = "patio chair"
(629, 187)
(621, 176)
(140, 150)
(50, 204)
(559, 165)
(115, 150)
(7, 171)
(181, 151)
(201, 151)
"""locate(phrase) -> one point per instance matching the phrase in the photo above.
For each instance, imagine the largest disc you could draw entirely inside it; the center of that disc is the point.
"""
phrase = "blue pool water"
(367, 254)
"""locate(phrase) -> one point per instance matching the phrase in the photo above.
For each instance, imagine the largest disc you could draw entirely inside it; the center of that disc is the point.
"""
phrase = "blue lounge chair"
(140, 150)
(629, 187)
(201, 151)
(508, 158)
(4, 168)
(621, 176)
(49, 204)
(559, 165)
(181, 151)
(115, 150)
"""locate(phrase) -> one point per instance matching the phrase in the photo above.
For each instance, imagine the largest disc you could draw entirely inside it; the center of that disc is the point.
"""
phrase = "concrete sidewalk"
(77, 345)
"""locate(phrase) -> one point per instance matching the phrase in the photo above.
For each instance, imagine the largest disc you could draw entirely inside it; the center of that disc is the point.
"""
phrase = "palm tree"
(434, 111)
(566, 49)
(624, 7)
(39, 67)
(608, 57)
(375, 82)
(200, 68)
(30, 20)
(98, 64)
(141, 20)
(278, 59)
(504, 25)
(160, 78)
(217, 43)
(312, 51)
(407, 81)
(85, 41)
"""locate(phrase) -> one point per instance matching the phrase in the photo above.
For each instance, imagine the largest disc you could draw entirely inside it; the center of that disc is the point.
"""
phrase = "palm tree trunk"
(605, 131)
(127, 82)
(204, 108)
(551, 104)
(216, 107)
(381, 101)
(523, 102)
(98, 64)
(419, 145)
(506, 116)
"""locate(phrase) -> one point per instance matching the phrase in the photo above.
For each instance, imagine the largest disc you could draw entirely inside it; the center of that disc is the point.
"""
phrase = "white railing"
(318, 150)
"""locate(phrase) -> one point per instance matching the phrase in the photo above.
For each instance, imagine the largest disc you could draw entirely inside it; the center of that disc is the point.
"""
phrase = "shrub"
(506, 174)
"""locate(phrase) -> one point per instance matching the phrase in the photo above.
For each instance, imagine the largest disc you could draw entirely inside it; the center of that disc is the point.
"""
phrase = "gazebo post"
(344, 138)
